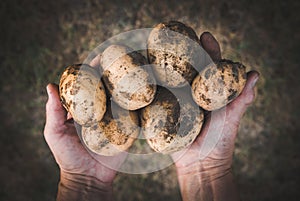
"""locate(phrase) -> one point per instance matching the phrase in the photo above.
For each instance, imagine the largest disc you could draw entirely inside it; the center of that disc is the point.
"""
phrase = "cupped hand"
(213, 149)
(71, 156)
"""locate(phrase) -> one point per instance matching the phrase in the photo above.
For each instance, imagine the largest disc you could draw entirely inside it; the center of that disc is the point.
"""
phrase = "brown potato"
(131, 86)
(173, 49)
(171, 123)
(218, 84)
(115, 133)
(82, 94)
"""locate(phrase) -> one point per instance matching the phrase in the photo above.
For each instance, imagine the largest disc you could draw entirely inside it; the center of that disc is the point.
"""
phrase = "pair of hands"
(74, 160)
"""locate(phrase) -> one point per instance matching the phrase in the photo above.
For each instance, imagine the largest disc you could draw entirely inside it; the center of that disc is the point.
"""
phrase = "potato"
(218, 84)
(171, 123)
(115, 133)
(82, 94)
(131, 86)
(173, 49)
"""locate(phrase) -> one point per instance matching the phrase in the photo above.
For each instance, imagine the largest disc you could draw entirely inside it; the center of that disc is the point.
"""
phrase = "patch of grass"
(40, 38)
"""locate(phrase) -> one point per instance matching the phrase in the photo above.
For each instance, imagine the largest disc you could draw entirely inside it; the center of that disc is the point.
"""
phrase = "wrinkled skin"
(72, 157)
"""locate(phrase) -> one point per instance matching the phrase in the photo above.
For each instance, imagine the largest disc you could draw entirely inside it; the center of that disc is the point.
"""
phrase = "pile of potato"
(162, 97)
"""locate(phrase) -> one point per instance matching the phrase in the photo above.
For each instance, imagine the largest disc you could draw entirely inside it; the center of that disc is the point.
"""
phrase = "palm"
(213, 148)
(70, 154)
(215, 144)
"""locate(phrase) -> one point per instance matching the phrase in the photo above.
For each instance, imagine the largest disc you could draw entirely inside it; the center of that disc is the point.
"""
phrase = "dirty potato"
(171, 122)
(218, 84)
(82, 94)
(115, 133)
(174, 51)
(130, 85)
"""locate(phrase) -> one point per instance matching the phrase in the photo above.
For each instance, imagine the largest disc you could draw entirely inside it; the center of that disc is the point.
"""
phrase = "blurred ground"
(39, 38)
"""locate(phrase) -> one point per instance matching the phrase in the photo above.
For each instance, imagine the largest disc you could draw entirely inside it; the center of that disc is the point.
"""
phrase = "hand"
(208, 164)
(77, 166)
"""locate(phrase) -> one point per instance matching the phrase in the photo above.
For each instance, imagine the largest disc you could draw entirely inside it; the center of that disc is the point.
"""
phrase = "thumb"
(211, 46)
(55, 112)
(237, 108)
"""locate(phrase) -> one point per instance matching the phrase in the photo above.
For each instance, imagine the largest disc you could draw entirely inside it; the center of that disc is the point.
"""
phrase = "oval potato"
(82, 94)
(171, 123)
(174, 51)
(131, 86)
(218, 84)
(115, 133)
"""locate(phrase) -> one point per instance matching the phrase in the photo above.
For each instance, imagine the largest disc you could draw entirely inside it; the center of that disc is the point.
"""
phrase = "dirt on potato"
(39, 38)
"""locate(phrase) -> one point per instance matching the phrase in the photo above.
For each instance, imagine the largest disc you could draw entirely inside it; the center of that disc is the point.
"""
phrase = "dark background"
(39, 38)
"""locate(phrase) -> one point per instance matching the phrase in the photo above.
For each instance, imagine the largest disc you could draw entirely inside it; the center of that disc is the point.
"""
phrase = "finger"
(56, 115)
(69, 116)
(95, 63)
(237, 108)
(211, 46)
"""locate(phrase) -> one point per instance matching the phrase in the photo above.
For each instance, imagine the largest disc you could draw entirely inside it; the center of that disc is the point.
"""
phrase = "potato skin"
(171, 123)
(82, 94)
(131, 86)
(115, 133)
(218, 84)
(173, 50)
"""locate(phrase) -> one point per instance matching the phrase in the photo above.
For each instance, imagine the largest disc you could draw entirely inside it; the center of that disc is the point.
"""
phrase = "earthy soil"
(39, 38)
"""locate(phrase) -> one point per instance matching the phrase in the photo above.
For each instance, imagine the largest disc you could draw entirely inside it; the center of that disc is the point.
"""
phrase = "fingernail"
(255, 80)
(48, 91)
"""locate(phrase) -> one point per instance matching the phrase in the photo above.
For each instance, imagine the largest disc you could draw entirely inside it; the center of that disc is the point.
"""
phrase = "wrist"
(206, 183)
(203, 172)
(82, 187)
